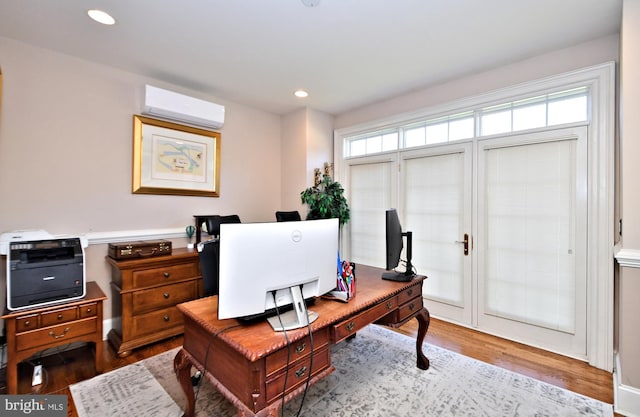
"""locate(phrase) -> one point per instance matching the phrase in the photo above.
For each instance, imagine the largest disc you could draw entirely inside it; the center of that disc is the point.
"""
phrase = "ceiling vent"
(177, 107)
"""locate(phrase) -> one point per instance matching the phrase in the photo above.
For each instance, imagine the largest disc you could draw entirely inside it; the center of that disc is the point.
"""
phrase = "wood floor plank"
(64, 368)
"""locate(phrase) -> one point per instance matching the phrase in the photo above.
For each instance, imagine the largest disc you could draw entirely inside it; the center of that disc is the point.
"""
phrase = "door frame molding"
(601, 190)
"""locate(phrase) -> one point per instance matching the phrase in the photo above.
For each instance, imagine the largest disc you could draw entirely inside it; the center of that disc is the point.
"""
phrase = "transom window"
(553, 109)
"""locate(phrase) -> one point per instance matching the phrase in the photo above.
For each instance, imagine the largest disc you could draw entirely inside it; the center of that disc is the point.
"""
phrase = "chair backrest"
(287, 216)
(214, 222)
(209, 253)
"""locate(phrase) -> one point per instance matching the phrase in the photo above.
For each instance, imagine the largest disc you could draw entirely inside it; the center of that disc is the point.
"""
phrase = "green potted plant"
(326, 200)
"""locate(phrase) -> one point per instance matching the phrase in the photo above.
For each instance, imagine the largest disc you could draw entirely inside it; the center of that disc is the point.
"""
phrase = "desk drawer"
(26, 323)
(299, 350)
(410, 293)
(297, 374)
(164, 275)
(156, 321)
(160, 297)
(51, 334)
(409, 308)
(88, 310)
(353, 324)
(403, 312)
(62, 315)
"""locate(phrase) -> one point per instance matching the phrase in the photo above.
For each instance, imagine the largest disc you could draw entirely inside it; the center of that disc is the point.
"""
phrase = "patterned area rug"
(375, 376)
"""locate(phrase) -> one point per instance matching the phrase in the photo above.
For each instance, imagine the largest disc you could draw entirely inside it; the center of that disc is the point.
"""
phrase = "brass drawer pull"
(58, 336)
(166, 274)
(389, 305)
(300, 372)
(351, 326)
(27, 323)
(88, 311)
(301, 347)
(166, 295)
(412, 306)
(60, 316)
(166, 317)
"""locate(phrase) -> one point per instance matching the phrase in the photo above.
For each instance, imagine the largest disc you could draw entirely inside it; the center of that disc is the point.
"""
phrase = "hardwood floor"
(66, 368)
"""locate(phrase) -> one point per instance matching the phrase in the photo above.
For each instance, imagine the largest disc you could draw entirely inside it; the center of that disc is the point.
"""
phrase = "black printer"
(44, 271)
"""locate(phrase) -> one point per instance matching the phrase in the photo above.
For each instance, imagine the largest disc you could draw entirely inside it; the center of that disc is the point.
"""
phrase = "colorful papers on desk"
(346, 279)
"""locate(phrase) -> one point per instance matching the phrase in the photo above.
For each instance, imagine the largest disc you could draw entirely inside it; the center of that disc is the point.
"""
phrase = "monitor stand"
(296, 318)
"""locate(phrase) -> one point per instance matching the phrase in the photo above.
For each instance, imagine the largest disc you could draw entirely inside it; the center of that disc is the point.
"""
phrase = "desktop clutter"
(345, 282)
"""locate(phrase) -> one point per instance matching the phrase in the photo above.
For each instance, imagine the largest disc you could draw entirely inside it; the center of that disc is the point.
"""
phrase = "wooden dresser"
(145, 292)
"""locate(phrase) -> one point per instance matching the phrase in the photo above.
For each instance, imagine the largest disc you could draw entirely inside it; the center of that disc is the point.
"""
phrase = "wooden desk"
(247, 363)
(33, 330)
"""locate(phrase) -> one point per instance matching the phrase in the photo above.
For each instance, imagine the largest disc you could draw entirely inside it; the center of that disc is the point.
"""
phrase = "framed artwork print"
(174, 159)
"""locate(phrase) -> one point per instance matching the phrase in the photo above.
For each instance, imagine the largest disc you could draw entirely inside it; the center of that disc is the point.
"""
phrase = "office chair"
(209, 252)
(287, 216)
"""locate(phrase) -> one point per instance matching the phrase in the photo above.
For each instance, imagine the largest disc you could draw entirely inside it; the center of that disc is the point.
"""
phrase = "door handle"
(465, 244)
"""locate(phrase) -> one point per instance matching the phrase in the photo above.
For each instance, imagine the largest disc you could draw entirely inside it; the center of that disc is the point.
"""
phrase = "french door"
(532, 239)
(499, 228)
(436, 204)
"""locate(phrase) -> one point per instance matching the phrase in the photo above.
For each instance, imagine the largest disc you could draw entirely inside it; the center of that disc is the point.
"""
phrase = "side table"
(33, 330)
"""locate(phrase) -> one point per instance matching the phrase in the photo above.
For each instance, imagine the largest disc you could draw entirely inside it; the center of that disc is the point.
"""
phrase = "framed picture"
(174, 159)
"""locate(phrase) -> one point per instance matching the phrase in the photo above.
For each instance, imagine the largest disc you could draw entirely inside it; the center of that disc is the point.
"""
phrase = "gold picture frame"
(174, 159)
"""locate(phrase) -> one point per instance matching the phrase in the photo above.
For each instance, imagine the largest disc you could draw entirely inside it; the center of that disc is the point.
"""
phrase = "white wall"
(66, 149)
(580, 56)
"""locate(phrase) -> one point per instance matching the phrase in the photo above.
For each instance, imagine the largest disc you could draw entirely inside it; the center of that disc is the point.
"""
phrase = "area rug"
(375, 376)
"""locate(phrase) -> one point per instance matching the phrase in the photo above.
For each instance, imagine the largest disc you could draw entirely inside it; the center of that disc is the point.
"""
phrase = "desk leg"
(182, 368)
(423, 325)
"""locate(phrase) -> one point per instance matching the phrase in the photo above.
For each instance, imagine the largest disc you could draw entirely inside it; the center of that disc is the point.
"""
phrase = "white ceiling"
(346, 53)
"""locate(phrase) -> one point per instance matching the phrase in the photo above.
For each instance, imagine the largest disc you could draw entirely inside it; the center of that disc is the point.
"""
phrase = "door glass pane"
(433, 212)
(496, 122)
(390, 141)
(568, 110)
(414, 137)
(370, 196)
(437, 133)
(530, 246)
(529, 117)
(461, 128)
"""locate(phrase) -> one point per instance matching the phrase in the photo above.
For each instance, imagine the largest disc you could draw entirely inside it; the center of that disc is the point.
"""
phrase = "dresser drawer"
(156, 321)
(299, 349)
(297, 374)
(47, 335)
(352, 325)
(163, 275)
(62, 315)
(160, 297)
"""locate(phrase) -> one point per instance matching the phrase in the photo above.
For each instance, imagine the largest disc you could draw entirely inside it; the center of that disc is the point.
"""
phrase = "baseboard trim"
(626, 398)
(109, 324)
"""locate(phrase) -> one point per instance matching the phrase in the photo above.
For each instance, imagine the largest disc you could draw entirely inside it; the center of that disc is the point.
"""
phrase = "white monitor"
(297, 260)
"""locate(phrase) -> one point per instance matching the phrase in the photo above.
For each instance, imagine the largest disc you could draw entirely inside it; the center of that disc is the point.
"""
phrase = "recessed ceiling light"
(101, 17)
(300, 93)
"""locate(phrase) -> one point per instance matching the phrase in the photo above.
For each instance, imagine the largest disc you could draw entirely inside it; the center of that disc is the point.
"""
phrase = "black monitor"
(394, 245)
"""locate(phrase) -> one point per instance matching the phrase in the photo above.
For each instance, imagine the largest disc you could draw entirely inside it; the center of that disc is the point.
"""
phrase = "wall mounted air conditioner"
(180, 108)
